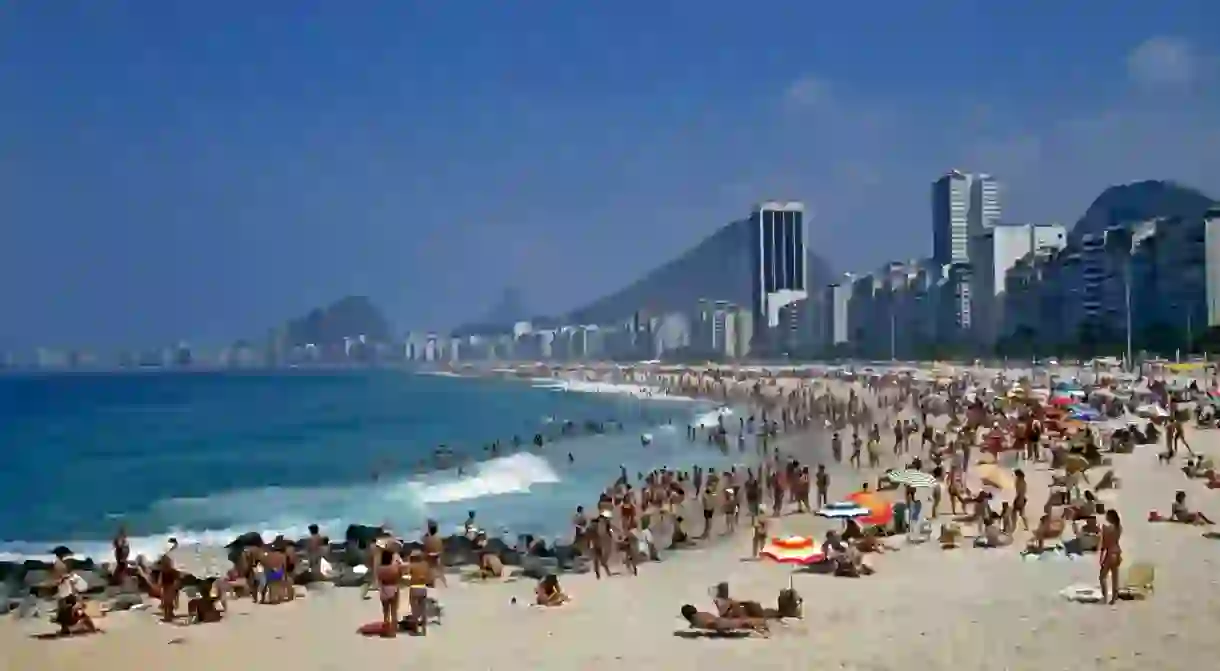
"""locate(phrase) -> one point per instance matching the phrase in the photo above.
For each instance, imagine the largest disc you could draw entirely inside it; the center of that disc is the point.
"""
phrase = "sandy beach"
(966, 608)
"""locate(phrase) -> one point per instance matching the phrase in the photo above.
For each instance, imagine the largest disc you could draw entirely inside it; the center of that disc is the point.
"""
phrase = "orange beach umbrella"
(881, 512)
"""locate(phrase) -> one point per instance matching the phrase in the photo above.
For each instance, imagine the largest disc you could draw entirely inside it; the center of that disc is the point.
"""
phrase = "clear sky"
(203, 170)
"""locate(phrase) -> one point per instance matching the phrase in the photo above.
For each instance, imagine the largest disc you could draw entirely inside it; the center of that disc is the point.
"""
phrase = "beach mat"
(713, 633)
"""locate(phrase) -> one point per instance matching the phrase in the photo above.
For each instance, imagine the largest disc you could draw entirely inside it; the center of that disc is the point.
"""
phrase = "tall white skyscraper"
(984, 204)
(963, 206)
(951, 218)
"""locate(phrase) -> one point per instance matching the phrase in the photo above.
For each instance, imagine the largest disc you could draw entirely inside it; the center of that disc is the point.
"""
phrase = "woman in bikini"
(388, 575)
(1111, 555)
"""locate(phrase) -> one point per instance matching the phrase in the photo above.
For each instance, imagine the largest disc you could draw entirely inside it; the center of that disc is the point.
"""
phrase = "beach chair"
(1140, 583)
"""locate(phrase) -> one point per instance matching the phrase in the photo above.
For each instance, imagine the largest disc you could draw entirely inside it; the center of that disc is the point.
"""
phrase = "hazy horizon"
(202, 172)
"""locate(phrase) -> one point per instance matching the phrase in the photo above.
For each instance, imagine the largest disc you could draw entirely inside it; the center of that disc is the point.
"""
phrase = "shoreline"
(215, 539)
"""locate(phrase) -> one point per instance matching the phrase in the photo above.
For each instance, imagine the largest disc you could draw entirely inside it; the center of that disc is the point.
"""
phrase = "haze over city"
(178, 170)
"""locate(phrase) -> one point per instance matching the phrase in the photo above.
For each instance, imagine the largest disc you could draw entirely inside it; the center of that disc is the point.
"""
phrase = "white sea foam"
(591, 387)
(290, 510)
(710, 419)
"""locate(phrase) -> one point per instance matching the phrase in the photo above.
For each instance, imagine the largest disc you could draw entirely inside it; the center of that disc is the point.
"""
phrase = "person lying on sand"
(709, 622)
(1183, 515)
(548, 593)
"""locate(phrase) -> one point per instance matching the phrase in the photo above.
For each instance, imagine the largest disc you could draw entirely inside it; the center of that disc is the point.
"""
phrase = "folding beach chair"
(1141, 578)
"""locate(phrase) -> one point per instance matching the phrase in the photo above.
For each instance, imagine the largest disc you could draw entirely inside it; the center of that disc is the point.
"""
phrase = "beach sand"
(924, 608)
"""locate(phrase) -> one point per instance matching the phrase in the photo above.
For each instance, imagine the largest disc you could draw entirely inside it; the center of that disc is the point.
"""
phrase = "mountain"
(347, 317)
(1140, 201)
(718, 268)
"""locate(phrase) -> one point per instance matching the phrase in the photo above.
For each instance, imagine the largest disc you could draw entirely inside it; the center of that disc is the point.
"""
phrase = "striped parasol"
(911, 478)
(793, 550)
(843, 510)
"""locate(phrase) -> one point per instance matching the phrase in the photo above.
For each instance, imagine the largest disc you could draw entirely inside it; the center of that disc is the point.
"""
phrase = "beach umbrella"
(880, 511)
(795, 550)
(911, 478)
(799, 550)
(843, 510)
(996, 477)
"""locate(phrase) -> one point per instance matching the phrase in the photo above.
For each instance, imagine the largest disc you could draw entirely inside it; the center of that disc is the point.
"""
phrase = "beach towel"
(1081, 593)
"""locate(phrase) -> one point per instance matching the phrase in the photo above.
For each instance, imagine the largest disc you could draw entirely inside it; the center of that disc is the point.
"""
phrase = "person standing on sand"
(1020, 499)
(709, 510)
(1110, 555)
(168, 579)
(122, 551)
(387, 577)
(856, 444)
(420, 573)
(822, 480)
(761, 533)
(600, 540)
(434, 550)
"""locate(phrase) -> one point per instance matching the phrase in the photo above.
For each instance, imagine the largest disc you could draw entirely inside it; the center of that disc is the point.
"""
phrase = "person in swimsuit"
(419, 572)
(1020, 500)
(275, 575)
(1110, 555)
(387, 576)
(548, 592)
(434, 549)
(168, 580)
(122, 551)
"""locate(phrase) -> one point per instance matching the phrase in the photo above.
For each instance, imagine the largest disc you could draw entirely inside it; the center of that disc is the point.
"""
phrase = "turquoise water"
(205, 456)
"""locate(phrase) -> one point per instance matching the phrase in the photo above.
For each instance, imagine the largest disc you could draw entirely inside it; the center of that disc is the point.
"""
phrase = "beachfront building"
(1211, 257)
(671, 334)
(951, 218)
(836, 307)
(998, 250)
(777, 259)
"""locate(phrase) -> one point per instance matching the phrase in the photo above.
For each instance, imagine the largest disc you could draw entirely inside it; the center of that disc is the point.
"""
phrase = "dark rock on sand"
(362, 534)
(248, 539)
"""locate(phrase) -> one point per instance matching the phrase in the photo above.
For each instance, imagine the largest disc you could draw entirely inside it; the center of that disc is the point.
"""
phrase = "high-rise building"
(997, 251)
(984, 204)
(951, 218)
(778, 259)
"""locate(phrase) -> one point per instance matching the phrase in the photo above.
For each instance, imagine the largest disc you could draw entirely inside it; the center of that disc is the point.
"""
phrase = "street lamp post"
(1127, 310)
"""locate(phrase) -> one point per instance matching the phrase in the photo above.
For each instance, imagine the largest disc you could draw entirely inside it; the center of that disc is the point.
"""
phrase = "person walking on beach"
(1110, 556)
(856, 444)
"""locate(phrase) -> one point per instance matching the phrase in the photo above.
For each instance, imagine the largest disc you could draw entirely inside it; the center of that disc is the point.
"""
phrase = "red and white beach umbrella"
(793, 550)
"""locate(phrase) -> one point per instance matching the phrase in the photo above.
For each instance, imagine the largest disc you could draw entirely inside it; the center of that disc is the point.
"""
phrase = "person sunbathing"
(1183, 515)
(548, 593)
(1050, 527)
(709, 622)
(869, 541)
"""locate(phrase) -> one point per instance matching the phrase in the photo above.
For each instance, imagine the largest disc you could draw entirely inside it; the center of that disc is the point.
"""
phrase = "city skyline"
(205, 188)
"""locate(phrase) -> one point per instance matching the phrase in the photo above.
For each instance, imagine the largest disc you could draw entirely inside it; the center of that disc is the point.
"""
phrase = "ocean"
(206, 456)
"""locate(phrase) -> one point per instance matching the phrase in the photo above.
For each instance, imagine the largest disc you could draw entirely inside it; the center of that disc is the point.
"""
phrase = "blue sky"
(203, 170)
